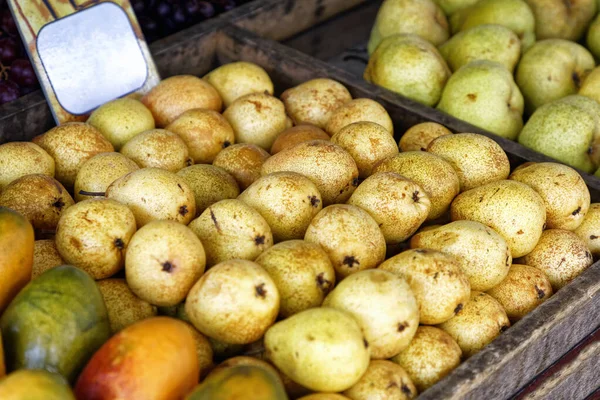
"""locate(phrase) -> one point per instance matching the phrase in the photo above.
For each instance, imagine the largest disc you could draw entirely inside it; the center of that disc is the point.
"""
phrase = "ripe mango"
(38, 384)
(16, 254)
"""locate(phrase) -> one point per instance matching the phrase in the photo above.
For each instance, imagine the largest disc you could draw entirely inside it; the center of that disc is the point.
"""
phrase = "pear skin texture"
(209, 184)
(158, 148)
(359, 110)
(138, 191)
(232, 229)
(237, 79)
(97, 173)
(397, 204)
(480, 321)
(591, 85)
(523, 289)
(434, 174)
(410, 66)
(45, 257)
(205, 133)
(35, 385)
(451, 6)
(368, 143)
(550, 70)
(419, 136)
(350, 237)
(296, 135)
(315, 101)
(163, 261)
(419, 17)
(483, 255)
(562, 19)
(121, 119)
(175, 95)
(513, 14)
(476, 159)
(593, 37)
(123, 306)
(482, 42)
(321, 348)
(589, 230)
(18, 159)
(468, 96)
(257, 118)
(565, 194)
(565, 130)
(39, 198)
(513, 209)
(430, 356)
(302, 272)
(16, 255)
(236, 302)
(436, 279)
(561, 255)
(288, 202)
(243, 161)
(72, 144)
(331, 168)
(388, 332)
(93, 235)
(152, 359)
(204, 350)
(384, 380)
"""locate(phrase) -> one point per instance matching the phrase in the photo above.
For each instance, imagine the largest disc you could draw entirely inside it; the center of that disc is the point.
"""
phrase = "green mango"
(56, 323)
(28, 384)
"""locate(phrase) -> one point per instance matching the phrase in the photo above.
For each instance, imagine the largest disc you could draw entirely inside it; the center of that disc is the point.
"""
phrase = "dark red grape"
(9, 91)
(163, 9)
(207, 10)
(22, 73)
(178, 16)
(9, 50)
(7, 23)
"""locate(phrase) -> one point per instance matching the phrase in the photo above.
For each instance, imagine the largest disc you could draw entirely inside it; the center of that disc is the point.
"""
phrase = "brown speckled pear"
(93, 235)
(237, 79)
(158, 148)
(513, 209)
(235, 301)
(419, 136)
(203, 350)
(483, 254)
(368, 143)
(477, 159)
(243, 161)
(45, 257)
(97, 173)
(434, 174)
(436, 279)
(430, 356)
(391, 325)
(296, 135)
(209, 184)
(154, 194)
(566, 19)
(18, 159)
(383, 380)
(288, 202)
(480, 321)
(123, 306)
(359, 110)
(561, 255)
(564, 191)
(328, 165)
(523, 289)
(321, 348)
(589, 230)
(302, 272)
(315, 101)
(163, 261)
(397, 204)
(232, 229)
(349, 236)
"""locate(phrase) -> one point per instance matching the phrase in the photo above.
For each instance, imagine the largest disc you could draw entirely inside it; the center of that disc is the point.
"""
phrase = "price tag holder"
(84, 52)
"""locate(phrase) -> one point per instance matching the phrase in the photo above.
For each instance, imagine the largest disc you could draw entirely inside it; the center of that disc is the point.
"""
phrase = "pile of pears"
(521, 69)
(291, 233)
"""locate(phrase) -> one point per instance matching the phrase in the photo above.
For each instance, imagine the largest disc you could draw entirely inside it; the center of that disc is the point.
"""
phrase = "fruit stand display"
(526, 346)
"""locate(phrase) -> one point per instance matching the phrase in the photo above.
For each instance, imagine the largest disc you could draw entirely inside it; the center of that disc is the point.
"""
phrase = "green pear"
(421, 17)
(552, 69)
(567, 130)
(513, 14)
(451, 6)
(485, 94)
(593, 37)
(564, 19)
(409, 65)
(482, 42)
(591, 85)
